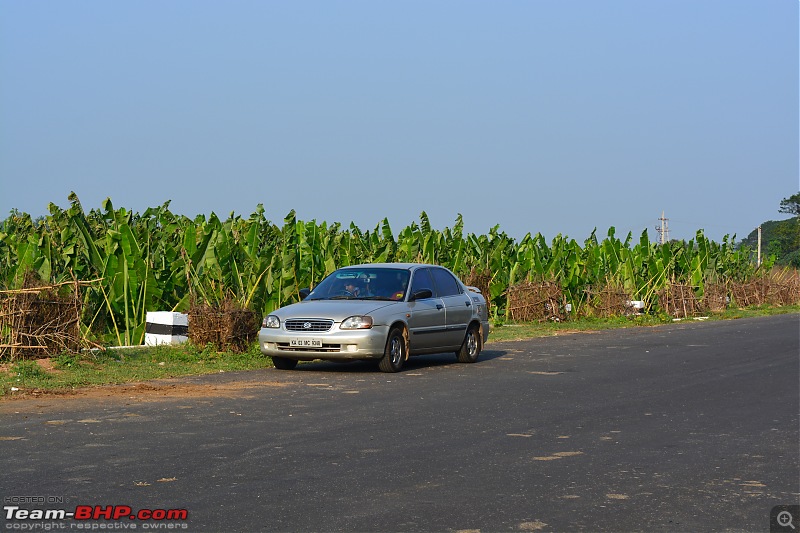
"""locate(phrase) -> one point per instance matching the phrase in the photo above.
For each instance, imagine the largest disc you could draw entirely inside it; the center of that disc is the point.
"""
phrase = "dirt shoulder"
(234, 384)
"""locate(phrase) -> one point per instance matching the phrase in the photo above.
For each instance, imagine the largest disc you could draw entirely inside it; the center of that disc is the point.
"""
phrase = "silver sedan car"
(386, 312)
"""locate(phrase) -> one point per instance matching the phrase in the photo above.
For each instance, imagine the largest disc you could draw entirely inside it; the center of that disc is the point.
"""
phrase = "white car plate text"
(305, 343)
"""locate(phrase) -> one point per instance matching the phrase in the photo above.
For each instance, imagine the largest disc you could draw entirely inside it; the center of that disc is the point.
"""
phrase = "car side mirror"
(422, 294)
(304, 293)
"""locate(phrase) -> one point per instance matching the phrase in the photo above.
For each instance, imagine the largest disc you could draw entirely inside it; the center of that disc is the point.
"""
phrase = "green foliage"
(125, 366)
(791, 205)
(780, 239)
(157, 260)
(66, 360)
(27, 371)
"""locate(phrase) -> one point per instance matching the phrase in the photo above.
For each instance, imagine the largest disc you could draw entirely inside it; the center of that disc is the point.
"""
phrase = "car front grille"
(311, 325)
(284, 346)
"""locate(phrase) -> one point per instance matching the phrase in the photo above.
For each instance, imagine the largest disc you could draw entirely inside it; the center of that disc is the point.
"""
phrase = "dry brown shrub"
(678, 300)
(536, 301)
(784, 287)
(40, 319)
(715, 296)
(749, 293)
(226, 326)
(777, 288)
(610, 300)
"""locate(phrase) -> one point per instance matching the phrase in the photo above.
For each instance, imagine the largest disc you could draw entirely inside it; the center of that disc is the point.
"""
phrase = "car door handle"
(468, 303)
(439, 306)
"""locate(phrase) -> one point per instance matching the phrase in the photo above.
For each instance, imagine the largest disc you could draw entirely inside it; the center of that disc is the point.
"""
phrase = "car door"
(427, 321)
(457, 304)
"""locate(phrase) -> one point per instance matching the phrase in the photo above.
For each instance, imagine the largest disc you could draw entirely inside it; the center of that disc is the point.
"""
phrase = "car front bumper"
(342, 345)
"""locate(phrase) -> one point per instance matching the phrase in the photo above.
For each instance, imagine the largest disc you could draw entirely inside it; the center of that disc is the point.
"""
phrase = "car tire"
(394, 355)
(284, 363)
(471, 347)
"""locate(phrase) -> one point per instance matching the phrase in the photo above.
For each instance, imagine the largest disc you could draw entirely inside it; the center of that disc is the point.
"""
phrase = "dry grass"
(776, 288)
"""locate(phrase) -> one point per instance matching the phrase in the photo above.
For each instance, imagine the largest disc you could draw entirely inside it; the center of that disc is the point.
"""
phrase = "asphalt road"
(687, 427)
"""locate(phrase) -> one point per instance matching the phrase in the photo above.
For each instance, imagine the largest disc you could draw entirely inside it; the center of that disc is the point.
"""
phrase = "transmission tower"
(663, 229)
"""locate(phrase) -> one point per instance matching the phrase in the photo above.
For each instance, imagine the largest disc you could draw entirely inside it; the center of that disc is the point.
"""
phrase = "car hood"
(336, 310)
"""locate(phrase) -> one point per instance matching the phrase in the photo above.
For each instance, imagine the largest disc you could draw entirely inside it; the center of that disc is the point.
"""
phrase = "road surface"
(692, 426)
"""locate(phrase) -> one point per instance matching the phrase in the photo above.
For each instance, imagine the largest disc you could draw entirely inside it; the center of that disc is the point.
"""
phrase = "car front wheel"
(471, 347)
(395, 353)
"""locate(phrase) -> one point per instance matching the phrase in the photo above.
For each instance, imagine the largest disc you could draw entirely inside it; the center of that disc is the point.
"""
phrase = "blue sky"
(551, 116)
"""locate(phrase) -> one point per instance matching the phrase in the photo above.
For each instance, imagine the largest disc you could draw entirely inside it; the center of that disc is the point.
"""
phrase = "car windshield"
(363, 284)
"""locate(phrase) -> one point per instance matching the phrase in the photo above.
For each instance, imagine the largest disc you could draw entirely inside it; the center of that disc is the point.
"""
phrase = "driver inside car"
(351, 286)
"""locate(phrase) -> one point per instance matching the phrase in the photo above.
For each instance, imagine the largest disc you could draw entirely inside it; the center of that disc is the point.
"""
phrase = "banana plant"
(156, 260)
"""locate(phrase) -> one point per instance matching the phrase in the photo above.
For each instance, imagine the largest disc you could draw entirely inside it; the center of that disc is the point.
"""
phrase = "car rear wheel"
(284, 363)
(471, 347)
(395, 353)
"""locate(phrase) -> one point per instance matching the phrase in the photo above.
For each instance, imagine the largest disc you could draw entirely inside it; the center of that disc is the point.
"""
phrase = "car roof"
(409, 266)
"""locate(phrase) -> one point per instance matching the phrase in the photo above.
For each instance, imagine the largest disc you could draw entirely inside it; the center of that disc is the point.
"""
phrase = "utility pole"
(758, 260)
(663, 229)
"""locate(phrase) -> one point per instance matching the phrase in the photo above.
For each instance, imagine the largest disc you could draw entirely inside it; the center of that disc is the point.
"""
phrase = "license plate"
(305, 343)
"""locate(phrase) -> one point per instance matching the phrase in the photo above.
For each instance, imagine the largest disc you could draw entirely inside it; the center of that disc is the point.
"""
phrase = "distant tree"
(781, 238)
(791, 205)
(788, 233)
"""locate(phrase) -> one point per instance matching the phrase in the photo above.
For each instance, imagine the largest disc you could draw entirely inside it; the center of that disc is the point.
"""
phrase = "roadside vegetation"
(66, 373)
(130, 263)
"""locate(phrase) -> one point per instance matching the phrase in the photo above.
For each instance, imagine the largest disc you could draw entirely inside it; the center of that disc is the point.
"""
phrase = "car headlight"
(356, 322)
(271, 321)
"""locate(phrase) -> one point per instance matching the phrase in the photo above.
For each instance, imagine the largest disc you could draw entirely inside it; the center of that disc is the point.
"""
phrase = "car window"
(389, 284)
(363, 283)
(422, 280)
(445, 282)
